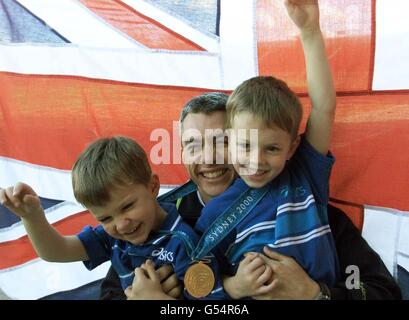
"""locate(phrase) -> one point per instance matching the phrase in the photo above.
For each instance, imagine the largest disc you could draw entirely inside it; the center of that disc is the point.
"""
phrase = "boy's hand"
(251, 278)
(21, 199)
(304, 13)
(169, 281)
(146, 284)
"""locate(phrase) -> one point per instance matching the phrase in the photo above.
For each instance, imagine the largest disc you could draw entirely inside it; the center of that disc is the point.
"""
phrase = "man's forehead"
(192, 134)
(203, 121)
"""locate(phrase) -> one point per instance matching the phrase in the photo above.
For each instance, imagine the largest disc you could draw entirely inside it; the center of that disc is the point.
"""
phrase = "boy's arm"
(49, 244)
(305, 15)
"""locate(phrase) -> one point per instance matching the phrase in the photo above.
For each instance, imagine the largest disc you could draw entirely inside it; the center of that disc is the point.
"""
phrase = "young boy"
(113, 180)
(284, 184)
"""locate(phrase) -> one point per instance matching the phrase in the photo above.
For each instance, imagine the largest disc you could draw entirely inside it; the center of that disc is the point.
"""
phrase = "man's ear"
(154, 184)
(294, 146)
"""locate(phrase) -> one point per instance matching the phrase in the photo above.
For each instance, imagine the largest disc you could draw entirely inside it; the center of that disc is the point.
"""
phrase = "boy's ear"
(154, 184)
(294, 146)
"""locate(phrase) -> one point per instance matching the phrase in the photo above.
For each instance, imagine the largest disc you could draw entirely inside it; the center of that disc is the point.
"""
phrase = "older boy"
(289, 172)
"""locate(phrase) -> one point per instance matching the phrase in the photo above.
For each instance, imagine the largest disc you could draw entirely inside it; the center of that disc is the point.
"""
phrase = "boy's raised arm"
(49, 244)
(305, 15)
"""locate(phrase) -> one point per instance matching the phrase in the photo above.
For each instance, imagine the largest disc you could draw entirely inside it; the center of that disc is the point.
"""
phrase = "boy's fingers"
(128, 291)
(256, 263)
(151, 271)
(176, 292)
(273, 254)
(11, 198)
(164, 272)
(266, 275)
(170, 283)
(259, 271)
(268, 288)
(3, 196)
(31, 200)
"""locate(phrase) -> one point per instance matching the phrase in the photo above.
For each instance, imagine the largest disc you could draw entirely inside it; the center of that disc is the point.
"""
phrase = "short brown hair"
(105, 163)
(269, 99)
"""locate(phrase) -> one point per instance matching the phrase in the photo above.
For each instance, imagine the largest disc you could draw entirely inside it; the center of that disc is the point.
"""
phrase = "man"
(208, 112)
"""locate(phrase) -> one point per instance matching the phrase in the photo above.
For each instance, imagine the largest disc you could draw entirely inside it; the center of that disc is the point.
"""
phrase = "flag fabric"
(73, 71)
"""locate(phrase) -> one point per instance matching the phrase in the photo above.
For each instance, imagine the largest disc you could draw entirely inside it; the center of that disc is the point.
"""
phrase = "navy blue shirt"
(160, 248)
(291, 218)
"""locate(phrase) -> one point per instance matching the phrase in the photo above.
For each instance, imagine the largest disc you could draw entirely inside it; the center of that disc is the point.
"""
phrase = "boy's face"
(261, 162)
(131, 213)
(211, 178)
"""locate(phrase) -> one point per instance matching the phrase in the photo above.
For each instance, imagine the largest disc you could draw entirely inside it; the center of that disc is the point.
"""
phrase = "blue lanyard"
(228, 220)
(179, 192)
(224, 223)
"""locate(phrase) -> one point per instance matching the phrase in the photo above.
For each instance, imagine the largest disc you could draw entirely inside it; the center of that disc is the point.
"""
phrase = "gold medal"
(199, 280)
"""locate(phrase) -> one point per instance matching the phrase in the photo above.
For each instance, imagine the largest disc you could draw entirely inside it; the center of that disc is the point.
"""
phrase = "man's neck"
(202, 199)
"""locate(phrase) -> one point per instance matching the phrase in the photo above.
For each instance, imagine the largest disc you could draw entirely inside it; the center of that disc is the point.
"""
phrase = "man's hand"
(169, 281)
(290, 281)
(22, 200)
(146, 284)
(304, 13)
(250, 279)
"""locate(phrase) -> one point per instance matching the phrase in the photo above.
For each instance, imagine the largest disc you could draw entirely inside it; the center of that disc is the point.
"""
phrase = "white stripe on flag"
(69, 17)
(238, 41)
(158, 67)
(391, 67)
(403, 247)
(207, 41)
(386, 231)
(39, 278)
(47, 182)
(53, 214)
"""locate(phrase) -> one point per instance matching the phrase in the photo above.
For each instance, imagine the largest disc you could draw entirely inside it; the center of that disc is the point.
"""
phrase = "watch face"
(323, 296)
(324, 292)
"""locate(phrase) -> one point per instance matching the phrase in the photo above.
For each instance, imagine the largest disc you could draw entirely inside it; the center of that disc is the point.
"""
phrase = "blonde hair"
(268, 99)
(105, 163)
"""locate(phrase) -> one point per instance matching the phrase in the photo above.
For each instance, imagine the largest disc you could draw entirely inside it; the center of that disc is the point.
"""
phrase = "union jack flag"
(72, 71)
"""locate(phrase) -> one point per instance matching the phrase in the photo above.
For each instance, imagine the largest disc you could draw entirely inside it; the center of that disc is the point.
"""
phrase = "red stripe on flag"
(139, 27)
(349, 51)
(370, 143)
(48, 120)
(20, 251)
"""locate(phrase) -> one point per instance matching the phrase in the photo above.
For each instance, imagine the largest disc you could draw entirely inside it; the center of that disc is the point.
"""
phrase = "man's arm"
(305, 15)
(49, 244)
(352, 249)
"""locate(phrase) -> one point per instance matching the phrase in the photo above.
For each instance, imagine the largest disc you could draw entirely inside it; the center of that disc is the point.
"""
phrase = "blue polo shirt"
(160, 248)
(291, 218)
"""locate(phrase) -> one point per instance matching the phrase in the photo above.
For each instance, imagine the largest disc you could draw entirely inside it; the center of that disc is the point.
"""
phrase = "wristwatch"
(324, 294)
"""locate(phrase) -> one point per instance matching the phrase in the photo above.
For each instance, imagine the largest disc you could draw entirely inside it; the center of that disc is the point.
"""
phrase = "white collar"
(200, 198)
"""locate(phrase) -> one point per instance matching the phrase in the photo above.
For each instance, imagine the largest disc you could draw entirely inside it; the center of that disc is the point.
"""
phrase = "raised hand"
(304, 13)
(22, 200)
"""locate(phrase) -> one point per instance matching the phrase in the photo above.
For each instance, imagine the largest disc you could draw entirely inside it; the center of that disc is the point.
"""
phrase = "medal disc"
(199, 280)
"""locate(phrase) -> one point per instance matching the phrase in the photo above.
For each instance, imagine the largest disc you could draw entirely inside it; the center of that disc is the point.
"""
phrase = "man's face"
(208, 157)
